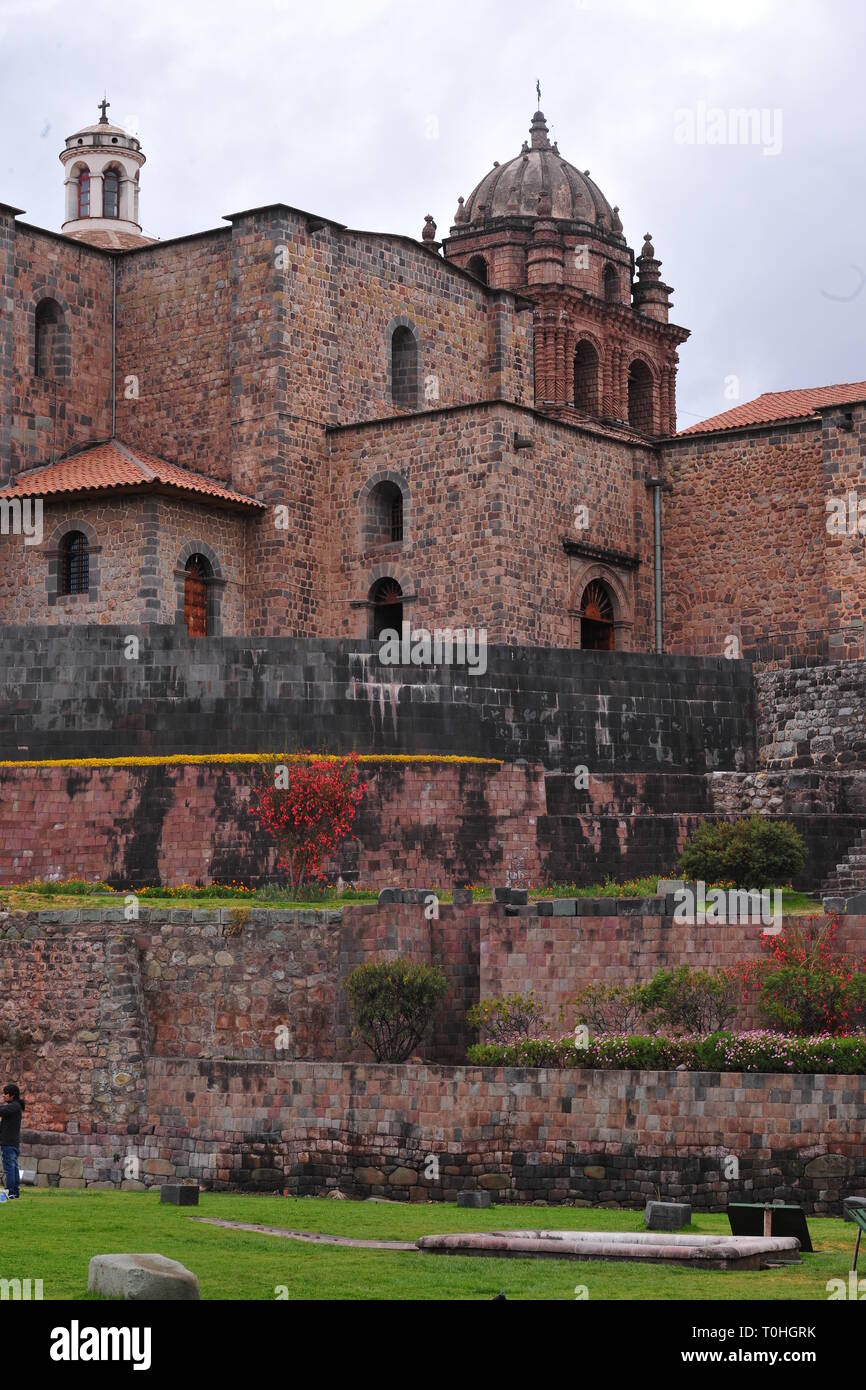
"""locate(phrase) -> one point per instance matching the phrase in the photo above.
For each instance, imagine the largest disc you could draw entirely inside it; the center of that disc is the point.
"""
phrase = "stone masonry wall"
(77, 695)
(420, 823)
(813, 718)
(561, 955)
(135, 545)
(43, 416)
(114, 1030)
(744, 543)
(556, 1136)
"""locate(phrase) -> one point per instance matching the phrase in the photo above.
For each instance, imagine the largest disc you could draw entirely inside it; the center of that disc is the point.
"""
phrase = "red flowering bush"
(308, 807)
(808, 986)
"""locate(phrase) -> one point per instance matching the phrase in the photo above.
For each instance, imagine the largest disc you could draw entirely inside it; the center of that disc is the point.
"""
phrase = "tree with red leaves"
(308, 805)
(808, 986)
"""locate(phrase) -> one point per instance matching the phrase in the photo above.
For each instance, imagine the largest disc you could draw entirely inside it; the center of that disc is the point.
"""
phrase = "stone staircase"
(849, 877)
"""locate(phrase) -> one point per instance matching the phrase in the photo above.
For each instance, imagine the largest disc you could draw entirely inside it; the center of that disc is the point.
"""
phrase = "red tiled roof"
(110, 466)
(781, 405)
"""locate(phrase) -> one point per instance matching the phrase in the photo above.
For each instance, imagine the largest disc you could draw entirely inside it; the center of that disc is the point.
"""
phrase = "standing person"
(10, 1137)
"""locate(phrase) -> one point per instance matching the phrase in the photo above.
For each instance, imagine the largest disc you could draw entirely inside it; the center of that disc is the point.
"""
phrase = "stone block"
(137, 1278)
(67, 1167)
(403, 1177)
(369, 1177)
(667, 1216)
(828, 1166)
(158, 1168)
(494, 1182)
(178, 1194)
(473, 1199)
(856, 905)
(72, 1182)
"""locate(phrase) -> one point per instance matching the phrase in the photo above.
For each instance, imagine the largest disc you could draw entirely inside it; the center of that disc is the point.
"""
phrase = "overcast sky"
(375, 112)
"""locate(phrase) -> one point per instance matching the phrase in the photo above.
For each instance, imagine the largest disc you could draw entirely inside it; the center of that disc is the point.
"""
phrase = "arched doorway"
(386, 607)
(596, 618)
(195, 586)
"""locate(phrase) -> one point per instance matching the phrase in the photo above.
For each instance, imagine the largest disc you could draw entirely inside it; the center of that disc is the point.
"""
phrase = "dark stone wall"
(71, 692)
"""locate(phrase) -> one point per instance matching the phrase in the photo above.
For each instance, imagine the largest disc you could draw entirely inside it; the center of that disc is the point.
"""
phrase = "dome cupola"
(539, 172)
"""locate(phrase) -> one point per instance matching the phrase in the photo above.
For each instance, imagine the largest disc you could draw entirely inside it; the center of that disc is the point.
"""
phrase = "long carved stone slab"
(713, 1252)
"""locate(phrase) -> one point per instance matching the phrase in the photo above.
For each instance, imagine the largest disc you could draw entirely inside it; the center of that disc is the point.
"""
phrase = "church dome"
(538, 182)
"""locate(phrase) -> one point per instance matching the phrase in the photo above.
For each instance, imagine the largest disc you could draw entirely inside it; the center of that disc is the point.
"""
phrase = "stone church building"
(288, 426)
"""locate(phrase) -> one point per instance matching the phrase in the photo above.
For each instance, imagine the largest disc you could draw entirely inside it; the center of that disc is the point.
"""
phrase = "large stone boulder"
(141, 1277)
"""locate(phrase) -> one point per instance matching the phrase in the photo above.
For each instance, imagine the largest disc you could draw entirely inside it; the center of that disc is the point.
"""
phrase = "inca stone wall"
(151, 1049)
(613, 1137)
(813, 717)
(74, 693)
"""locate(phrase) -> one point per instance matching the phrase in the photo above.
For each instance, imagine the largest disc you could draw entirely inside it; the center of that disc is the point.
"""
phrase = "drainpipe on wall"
(656, 484)
(113, 346)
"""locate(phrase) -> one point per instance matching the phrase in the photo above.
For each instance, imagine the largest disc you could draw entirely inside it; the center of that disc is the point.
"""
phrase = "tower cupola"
(102, 163)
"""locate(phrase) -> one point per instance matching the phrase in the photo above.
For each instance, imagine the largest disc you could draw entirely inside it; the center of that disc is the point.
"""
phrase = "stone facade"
(541, 368)
(748, 554)
(137, 547)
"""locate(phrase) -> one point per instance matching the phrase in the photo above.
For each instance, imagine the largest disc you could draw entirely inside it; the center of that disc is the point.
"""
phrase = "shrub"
(808, 986)
(753, 1052)
(308, 807)
(508, 1018)
(609, 1008)
(392, 1003)
(750, 853)
(691, 1001)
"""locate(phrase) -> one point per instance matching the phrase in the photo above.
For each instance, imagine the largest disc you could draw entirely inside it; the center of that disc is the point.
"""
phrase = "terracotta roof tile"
(781, 405)
(110, 466)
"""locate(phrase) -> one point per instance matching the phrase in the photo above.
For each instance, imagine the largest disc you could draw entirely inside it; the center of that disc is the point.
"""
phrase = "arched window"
(586, 378)
(610, 282)
(48, 321)
(404, 367)
(596, 618)
(383, 522)
(641, 414)
(111, 193)
(478, 267)
(74, 564)
(386, 611)
(195, 590)
(84, 193)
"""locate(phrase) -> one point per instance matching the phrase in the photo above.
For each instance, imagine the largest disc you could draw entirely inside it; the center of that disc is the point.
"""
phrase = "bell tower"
(102, 164)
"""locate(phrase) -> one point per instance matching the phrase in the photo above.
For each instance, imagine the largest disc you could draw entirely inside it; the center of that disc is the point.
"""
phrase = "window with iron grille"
(74, 564)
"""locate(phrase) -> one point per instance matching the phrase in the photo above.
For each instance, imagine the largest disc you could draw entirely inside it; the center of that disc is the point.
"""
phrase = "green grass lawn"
(30, 898)
(51, 1235)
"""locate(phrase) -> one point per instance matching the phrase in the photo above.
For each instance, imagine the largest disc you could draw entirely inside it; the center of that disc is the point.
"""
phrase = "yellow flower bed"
(183, 759)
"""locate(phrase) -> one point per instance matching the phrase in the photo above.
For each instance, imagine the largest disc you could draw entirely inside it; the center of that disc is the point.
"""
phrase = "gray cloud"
(332, 108)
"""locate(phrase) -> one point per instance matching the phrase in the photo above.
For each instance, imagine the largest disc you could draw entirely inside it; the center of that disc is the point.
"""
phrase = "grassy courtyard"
(51, 1234)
